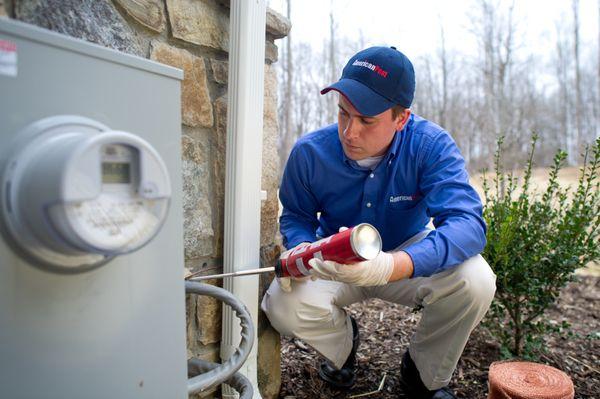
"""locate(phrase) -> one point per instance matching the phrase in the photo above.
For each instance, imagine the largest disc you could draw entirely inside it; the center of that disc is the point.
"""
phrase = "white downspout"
(243, 171)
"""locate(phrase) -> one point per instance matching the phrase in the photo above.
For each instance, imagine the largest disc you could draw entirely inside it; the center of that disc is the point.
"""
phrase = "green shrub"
(535, 241)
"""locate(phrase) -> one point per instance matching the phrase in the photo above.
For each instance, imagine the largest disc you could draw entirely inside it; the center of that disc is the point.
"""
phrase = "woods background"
(504, 89)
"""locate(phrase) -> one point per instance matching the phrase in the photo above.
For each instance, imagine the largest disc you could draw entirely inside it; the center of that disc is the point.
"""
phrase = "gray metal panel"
(44, 36)
(119, 331)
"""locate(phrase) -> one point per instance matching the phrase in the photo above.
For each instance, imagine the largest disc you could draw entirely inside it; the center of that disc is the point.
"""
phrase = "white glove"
(285, 283)
(367, 273)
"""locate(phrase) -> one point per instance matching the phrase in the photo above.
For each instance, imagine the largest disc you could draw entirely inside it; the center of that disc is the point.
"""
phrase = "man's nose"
(351, 129)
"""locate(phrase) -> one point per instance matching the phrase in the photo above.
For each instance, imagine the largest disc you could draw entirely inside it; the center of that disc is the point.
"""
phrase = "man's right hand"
(286, 282)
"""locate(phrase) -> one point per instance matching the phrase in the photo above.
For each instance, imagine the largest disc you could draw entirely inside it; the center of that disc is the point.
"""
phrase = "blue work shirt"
(422, 176)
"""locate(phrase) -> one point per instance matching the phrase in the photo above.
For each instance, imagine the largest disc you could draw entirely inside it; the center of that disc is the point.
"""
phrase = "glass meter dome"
(76, 194)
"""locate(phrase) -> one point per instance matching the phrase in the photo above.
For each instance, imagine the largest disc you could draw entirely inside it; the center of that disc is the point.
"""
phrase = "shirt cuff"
(425, 259)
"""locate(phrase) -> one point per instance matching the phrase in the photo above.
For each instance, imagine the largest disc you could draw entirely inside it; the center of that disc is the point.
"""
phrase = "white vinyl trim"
(243, 171)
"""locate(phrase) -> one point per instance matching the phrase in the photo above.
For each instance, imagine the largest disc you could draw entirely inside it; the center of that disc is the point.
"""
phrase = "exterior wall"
(191, 35)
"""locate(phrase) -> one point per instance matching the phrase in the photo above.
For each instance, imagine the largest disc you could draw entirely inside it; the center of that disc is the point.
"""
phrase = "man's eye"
(366, 121)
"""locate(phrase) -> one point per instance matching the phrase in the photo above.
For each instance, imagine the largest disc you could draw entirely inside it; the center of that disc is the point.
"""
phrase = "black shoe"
(413, 386)
(343, 378)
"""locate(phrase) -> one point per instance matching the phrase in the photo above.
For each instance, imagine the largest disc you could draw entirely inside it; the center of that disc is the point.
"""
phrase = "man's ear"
(402, 118)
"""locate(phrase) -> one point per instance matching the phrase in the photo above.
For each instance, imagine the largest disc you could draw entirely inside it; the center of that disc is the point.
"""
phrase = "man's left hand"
(367, 273)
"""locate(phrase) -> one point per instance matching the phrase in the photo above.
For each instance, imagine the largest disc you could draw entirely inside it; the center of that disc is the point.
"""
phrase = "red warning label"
(8, 58)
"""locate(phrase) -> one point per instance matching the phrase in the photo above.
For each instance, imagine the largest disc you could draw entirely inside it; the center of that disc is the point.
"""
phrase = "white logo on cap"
(368, 65)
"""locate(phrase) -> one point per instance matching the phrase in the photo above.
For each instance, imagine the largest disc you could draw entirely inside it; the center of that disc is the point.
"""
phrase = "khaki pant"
(454, 302)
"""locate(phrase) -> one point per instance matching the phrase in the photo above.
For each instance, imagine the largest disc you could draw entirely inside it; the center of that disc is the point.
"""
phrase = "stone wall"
(192, 35)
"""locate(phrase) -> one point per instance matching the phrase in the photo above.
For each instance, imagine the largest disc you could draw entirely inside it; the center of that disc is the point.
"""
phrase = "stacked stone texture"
(192, 35)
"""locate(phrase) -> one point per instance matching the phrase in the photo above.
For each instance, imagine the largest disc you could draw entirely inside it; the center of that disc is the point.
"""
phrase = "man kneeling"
(383, 165)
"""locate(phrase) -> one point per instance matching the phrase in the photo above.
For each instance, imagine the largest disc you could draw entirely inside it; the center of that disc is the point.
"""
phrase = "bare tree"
(563, 105)
(287, 135)
(444, 70)
(289, 66)
(597, 102)
(578, 102)
(494, 28)
(331, 62)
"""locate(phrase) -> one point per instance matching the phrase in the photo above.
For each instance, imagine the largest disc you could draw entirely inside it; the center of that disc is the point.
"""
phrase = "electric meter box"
(92, 297)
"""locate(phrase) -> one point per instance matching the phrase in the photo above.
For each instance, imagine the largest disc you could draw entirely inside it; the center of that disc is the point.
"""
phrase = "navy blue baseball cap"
(377, 79)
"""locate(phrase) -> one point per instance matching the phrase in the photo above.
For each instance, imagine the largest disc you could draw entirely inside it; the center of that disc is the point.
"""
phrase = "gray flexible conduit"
(224, 372)
(237, 381)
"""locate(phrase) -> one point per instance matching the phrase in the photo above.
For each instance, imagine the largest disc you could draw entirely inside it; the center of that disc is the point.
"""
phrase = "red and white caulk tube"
(361, 242)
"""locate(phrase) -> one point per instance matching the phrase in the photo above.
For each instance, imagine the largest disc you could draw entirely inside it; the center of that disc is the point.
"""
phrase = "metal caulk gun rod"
(233, 274)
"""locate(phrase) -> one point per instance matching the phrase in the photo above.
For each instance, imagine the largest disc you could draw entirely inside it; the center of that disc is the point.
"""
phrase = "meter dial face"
(77, 194)
(118, 219)
(114, 221)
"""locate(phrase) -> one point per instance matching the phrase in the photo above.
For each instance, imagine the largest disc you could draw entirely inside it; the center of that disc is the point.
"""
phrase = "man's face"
(366, 136)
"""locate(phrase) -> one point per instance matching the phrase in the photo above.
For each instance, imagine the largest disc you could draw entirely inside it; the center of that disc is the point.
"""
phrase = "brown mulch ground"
(386, 328)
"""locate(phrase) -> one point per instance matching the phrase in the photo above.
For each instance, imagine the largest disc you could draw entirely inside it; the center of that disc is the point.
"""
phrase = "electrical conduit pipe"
(213, 373)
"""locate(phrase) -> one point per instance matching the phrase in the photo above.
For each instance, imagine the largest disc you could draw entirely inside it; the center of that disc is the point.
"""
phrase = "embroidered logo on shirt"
(402, 198)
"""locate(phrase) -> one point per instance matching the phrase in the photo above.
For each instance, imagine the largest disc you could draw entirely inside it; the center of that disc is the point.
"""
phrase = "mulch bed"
(386, 328)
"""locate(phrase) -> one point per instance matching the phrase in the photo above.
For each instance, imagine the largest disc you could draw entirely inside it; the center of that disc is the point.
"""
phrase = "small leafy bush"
(535, 241)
